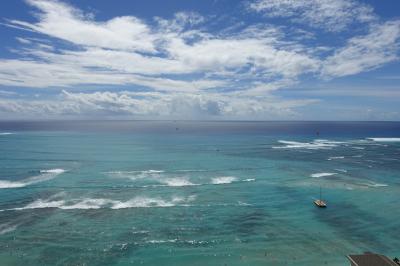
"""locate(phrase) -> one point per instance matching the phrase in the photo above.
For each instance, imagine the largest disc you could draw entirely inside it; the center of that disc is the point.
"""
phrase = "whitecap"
(156, 241)
(152, 171)
(134, 175)
(87, 204)
(41, 204)
(11, 184)
(143, 202)
(53, 171)
(249, 180)
(5, 133)
(44, 176)
(322, 174)
(371, 184)
(341, 170)
(240, 203)
(223, 180)
(177, 182)
(314, 145)
(7, 228)
(385, 139)
(97, 203)
(335, 158)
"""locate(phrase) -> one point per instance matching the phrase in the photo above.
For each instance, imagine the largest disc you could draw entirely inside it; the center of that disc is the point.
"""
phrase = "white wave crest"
(385, 139)
(322, 174)
(134, 175)
(97, 203)
(314, 145)
(223, 180)
(11, 184)
(335, 158)
(371, 184)
(87, 204)
(156, 241)
(44, 176)
(53, 171)
(6, 228)
(142, 202)
(5, 133)
(178, 182)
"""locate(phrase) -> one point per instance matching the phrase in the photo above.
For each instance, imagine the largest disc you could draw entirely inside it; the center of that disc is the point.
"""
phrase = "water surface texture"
(197, 193)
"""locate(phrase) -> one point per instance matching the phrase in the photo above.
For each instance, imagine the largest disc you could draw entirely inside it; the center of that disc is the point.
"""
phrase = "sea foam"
(134, 175)
(177, 182)
(317, 144)
(97, 203)
(44, 176)
(6, 228)
(322, 174)
(223, 180)
(385, 139)
(372, 184)
(335, 158)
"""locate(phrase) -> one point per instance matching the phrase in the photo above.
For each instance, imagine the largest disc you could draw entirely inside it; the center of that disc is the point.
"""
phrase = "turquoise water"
(182, 193)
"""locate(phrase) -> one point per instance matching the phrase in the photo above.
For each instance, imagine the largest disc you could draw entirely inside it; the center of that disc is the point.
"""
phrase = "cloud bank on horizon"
(261, 59)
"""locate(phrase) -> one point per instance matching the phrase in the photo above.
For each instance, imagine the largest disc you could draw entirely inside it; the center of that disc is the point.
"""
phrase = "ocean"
(197, 193)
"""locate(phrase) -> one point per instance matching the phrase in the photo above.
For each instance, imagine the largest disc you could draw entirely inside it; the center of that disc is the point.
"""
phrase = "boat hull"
(320, 203)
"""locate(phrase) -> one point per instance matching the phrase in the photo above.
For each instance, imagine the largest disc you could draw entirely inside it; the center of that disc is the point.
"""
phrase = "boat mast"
(320, 193)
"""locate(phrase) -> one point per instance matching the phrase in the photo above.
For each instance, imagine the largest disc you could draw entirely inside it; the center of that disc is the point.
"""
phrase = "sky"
(200, 60)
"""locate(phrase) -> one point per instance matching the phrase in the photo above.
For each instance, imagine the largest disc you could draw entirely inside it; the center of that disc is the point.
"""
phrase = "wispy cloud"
(362, 53)
(331, 15)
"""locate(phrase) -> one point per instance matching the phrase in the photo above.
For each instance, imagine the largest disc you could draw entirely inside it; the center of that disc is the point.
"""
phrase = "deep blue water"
(197, 193)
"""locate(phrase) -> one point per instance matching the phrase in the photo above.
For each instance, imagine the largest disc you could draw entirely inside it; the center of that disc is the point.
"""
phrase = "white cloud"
(30, 73)
(62, 21)
(363, 53)
(331, 15)
(111, 52)
(185, 69)
(153, 104)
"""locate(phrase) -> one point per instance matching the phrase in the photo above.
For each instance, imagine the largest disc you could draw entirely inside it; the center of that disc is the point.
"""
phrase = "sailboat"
(319, 202)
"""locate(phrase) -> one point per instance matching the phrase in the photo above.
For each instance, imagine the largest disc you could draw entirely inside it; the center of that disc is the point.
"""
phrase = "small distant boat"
(319, 202)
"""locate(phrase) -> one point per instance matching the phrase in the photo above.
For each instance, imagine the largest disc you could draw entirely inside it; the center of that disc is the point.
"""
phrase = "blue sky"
(210, 59)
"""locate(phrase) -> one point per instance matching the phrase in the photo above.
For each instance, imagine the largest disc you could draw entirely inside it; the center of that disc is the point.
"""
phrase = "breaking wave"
(335, 158)
(317, 144)
(223, 180)
(97, 203)
(5, 133)
(385, 139)
(6, 228)
(134, 175)
(176, 240)
(371, 184)
(177, 182)
(322, 174)
(163, 180)
(44, 176)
